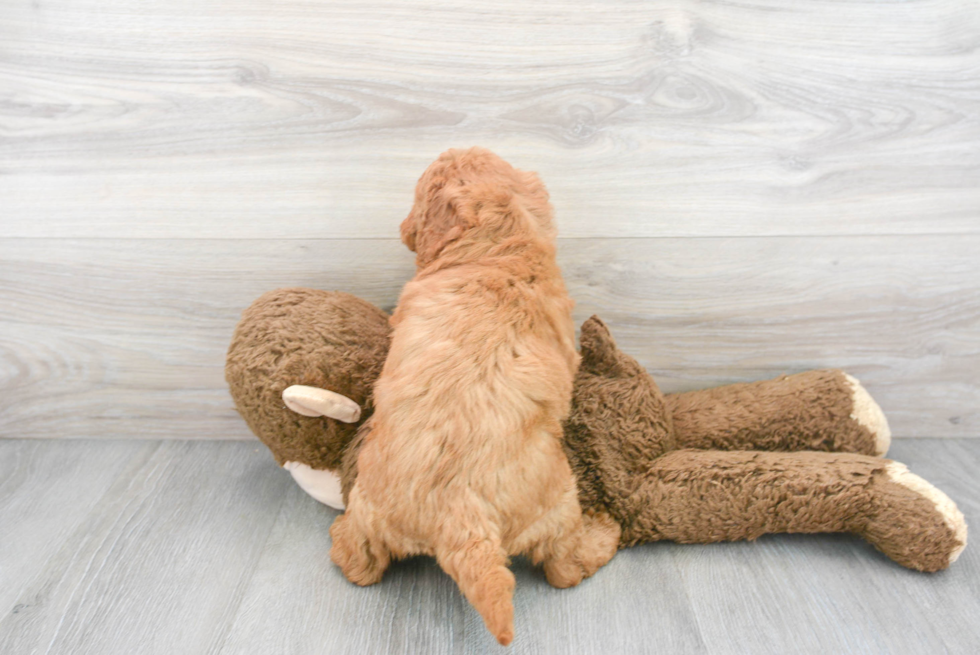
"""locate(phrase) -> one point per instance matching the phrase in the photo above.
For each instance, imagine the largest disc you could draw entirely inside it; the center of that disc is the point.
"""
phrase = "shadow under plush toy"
(799, 453)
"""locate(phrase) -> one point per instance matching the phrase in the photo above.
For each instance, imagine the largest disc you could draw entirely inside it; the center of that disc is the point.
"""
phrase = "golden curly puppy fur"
(462, 459)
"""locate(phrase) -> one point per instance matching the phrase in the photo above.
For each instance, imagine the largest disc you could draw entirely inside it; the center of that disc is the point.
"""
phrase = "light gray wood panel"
(946, 605)
(45, 493)
(900, 314)
(246, 119)
(824, 585)
(210, 548)
(298, 603)
(161, 563)
(127, 338)
(98, 334)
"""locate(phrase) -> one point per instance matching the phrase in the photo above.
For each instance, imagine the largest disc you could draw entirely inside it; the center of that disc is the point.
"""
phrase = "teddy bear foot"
(917, 525)
(869, 415)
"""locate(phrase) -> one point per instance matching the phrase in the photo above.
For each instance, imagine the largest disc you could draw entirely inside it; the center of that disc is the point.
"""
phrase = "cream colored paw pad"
(951, 514)
(869, 415)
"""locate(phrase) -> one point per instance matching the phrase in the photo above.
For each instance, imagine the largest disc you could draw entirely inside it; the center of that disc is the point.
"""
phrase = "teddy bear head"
(320, 339)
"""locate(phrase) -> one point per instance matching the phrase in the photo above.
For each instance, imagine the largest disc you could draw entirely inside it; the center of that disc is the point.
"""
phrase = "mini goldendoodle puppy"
(462, 458)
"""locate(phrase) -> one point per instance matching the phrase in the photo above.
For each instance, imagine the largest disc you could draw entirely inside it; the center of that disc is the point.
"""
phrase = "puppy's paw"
(354, 555)
(598, 542)
(563, 573)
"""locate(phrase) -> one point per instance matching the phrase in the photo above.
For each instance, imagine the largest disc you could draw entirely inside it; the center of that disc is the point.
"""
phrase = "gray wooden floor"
(122, 546)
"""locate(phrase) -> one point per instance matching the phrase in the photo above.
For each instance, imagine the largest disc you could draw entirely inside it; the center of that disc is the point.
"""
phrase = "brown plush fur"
(463, 459)
(630, 447)
(621, 425)
(330, 340)
(698, 496)
(626, 458)
(740, 416)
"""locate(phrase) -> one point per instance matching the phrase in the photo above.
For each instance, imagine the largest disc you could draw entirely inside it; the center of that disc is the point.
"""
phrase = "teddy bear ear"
(311, 401)
(599, 351)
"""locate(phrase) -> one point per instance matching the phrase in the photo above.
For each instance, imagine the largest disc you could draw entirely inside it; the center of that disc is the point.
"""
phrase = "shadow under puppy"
(463, 458)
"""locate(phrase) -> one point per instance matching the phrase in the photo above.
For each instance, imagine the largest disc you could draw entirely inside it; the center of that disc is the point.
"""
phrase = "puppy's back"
(479, 373)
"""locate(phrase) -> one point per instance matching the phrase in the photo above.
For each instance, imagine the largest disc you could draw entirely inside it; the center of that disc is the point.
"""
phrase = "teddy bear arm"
(825, 410)
(695, 496)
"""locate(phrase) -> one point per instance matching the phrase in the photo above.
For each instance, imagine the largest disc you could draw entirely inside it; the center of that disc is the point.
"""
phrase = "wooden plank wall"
(742, 188)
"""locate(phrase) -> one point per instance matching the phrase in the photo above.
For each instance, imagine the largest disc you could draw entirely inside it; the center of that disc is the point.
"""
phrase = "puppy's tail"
(479, 567)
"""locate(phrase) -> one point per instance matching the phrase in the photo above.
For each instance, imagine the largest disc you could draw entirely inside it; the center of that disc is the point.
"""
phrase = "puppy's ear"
(441, 226)
(537, 200)
(409, 228)
(533, 186)
(432, 226)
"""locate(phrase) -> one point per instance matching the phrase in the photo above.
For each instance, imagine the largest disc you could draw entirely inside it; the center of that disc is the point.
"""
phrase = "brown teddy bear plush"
(799, 453)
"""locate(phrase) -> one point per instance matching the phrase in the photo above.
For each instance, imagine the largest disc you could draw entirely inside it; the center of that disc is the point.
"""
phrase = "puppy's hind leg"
(479, 567)
(582, 543)
(362, 559)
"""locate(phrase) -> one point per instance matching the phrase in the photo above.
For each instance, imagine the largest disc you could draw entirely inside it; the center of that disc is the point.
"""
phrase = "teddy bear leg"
(915, 524)
(361, 557)
(818, 410)
(478, 564)
(695, 496)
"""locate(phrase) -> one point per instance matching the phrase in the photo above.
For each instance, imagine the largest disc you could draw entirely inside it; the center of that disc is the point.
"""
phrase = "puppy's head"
(474, 192)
